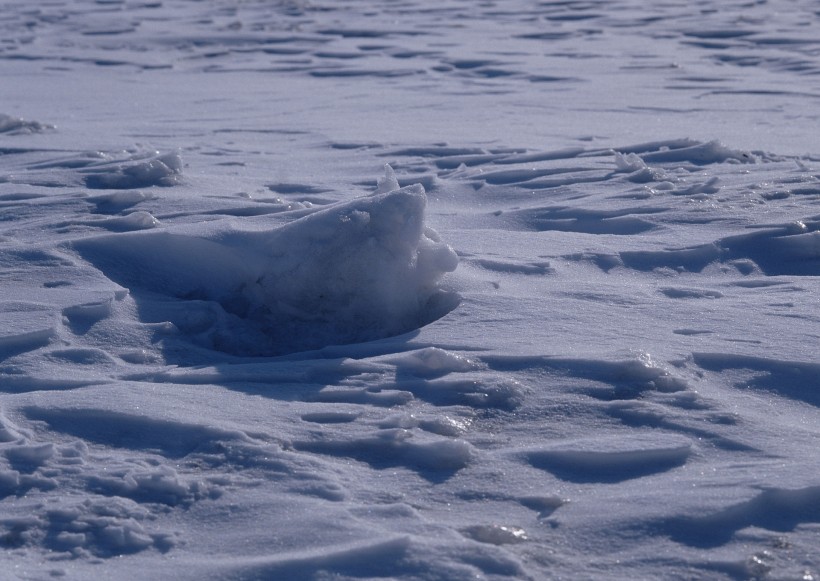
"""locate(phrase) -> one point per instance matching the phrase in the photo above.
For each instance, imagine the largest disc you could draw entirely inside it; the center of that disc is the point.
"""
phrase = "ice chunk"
(389, 182)
(629, 162)
(495, 534)
(354, 271)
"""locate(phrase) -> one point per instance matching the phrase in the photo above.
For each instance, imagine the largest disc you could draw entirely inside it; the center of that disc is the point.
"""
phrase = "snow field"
(369, 290)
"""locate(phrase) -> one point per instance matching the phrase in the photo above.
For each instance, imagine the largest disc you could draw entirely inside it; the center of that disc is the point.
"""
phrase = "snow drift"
(353, 271)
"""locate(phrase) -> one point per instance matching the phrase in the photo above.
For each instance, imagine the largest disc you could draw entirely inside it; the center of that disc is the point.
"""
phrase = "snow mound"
(684, 151)
(397, 447)
(137, 170)
(432, 362)
(99, 527)
(11, 125)
(355, 271)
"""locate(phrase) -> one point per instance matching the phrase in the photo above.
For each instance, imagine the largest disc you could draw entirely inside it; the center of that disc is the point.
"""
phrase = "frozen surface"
(372, 289)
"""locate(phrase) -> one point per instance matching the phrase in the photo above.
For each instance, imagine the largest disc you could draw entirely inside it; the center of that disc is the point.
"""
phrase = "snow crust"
(379, 290)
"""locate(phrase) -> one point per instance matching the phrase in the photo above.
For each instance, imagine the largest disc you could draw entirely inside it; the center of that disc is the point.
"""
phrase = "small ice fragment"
(389, 182)
(495, 534)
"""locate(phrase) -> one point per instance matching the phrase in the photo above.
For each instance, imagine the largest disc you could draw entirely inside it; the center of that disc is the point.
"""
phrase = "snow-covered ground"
(446, 290)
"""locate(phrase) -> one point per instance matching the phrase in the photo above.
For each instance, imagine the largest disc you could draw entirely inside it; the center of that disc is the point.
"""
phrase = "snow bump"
(139, 170)
(611, 459)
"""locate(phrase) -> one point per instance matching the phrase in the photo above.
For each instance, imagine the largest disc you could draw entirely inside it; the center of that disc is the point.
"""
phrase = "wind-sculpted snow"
(353, 271)
(96, 170)
(234, 343)
(136, 171)
(158, 289)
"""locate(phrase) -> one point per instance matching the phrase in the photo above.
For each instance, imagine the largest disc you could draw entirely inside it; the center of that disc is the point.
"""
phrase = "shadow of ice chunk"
(791, 249)
(774, 509)
(355, 271)
(798, 380)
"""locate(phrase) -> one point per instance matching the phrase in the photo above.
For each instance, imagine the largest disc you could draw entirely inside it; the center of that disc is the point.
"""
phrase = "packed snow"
(372, 289)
